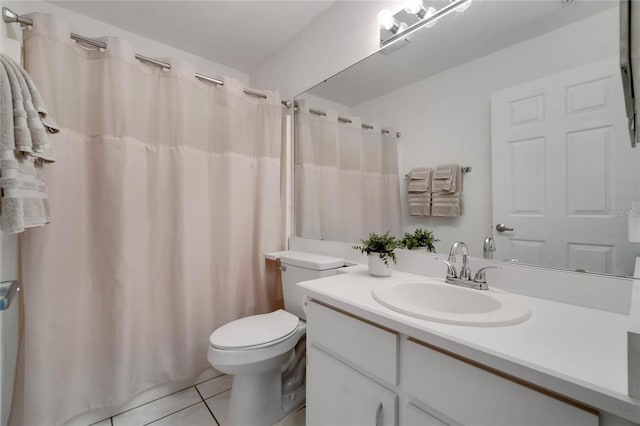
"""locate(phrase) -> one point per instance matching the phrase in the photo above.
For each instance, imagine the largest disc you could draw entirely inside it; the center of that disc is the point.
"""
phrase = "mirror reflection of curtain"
(165, 196)
(346, 178)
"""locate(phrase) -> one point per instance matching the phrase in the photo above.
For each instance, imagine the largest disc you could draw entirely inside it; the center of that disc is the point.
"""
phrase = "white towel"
(419, 204)
(419, 173)
(446, 205)
(419, 180)
(447, 179)
(24, 196)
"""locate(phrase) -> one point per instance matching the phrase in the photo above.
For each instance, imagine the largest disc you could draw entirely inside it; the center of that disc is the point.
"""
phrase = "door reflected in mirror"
(526, 93)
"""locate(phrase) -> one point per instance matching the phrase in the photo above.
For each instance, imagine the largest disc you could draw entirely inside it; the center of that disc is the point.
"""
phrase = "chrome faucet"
(465, 272)
(488, 248)
(479, 281)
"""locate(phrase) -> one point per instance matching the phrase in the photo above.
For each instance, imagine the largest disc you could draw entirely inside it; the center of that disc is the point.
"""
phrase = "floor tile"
(196, 415)
(215, 386)
(296, 418)
(219, 405)
(155, 410)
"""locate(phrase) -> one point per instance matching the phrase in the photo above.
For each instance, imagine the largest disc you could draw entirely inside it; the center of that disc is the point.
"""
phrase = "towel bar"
(465, 169)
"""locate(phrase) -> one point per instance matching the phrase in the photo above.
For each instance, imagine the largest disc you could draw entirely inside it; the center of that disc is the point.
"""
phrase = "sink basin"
(437, 301)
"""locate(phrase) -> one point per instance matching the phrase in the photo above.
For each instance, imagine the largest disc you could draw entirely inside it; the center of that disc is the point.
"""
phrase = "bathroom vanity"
(367, 364)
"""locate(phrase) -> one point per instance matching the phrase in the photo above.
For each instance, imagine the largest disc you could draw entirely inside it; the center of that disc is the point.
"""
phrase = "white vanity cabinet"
(351, 371)
(457, 392)
(361, 374)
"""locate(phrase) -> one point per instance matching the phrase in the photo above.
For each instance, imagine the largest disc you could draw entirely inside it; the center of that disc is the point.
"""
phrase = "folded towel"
(447, 179)
(421, 185)
(419, 180)
(446, 205)
(419, 204)
(24, 149)
(419, 173)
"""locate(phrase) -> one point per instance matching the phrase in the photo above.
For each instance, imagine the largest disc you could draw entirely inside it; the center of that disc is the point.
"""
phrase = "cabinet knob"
(379, 415)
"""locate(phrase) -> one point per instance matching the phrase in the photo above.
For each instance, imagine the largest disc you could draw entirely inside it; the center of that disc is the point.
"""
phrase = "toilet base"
(257, 400)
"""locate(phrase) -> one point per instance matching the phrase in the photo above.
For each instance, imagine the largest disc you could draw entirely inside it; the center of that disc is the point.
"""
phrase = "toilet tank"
(297, 267)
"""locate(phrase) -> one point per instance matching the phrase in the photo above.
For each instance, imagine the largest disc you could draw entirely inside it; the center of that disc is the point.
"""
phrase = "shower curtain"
(346, 178)
(165, 195)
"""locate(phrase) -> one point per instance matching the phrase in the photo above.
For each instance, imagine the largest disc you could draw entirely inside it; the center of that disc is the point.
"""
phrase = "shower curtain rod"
(9, 16)
(347, 120)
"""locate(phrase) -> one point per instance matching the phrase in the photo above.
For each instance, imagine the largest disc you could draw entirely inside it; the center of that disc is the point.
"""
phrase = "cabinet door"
(338, 395)
(473, 396)
(414, 416)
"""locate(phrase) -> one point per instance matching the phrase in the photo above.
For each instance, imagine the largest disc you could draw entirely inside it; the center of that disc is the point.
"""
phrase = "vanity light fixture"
(464, 6)
(388, 22)
(426, 17)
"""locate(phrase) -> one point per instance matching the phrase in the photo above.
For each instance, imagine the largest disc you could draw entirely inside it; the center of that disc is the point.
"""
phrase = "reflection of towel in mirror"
(446, 205)
(419, 204)
(419, 191)
(447, 179)
(419, 173)
(446, 187)
(419, 180)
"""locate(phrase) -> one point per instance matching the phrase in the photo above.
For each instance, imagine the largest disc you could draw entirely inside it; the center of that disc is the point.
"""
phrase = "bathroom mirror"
(526, 94)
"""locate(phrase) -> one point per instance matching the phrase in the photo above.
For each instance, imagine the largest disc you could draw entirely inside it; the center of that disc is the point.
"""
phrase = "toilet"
(266, 353)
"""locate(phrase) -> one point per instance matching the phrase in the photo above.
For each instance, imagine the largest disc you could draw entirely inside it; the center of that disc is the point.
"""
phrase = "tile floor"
(204, 404)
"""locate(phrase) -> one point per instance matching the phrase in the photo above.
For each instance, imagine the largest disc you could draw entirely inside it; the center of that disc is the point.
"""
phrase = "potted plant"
(380, 250)
(420, 239)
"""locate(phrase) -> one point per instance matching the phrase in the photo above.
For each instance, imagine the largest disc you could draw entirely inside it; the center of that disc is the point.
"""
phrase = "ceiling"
(486, 27)
(238, 34)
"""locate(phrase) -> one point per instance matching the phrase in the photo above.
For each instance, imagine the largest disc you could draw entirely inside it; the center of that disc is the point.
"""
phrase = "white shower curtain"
(346, 178)
(165, 194)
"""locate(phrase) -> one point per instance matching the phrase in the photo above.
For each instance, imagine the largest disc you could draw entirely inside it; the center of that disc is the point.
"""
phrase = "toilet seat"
(255, 332)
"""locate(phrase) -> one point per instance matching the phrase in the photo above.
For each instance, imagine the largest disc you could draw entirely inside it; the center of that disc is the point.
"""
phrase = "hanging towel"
(30, 130)
(419, 204)
(419, 173)
(447, 178)
(446, 205)
(419, 180)
(419, 191)
(24, 149)
(446, 187)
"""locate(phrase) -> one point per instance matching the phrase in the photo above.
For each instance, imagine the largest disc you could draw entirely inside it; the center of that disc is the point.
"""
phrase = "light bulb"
(430, 11)
(463, 6)
(413, 6)
(386, 19)
(402, 27)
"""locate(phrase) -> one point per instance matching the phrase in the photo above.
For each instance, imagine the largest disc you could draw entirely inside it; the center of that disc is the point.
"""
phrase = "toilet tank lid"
(316, 262)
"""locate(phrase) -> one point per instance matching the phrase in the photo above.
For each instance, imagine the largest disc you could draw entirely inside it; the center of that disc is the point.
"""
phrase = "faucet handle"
(481, 277)
(451, 269)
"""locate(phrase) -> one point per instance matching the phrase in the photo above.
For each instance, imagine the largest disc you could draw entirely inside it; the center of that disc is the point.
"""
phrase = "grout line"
(171, 414)
(207, 405)
(217, 394)
(208, 380)
(153, 400)
(111, 420)
(198, 390)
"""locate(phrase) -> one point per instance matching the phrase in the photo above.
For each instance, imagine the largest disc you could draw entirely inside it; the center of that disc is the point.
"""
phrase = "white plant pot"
(377, 268)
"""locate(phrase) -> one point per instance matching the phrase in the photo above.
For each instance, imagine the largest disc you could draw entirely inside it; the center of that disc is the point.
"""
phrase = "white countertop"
(574, 351)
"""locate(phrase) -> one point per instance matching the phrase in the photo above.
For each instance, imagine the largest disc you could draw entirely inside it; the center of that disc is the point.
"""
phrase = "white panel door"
(564, 172)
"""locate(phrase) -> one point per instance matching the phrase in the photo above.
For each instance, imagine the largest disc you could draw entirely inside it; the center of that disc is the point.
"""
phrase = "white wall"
(323, 104)
(343, 34)
(90, 27)
(447, 117)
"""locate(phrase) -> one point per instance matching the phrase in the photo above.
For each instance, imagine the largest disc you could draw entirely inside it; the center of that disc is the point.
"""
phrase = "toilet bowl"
(265, 353)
